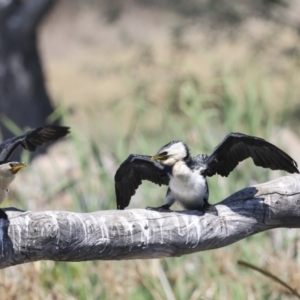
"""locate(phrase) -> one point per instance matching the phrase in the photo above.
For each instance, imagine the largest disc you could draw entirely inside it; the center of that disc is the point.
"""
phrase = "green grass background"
(134, 99)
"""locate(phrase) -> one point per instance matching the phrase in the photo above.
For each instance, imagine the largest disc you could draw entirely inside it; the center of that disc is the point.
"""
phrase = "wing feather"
(32, 139)
(237, 147)
(131, 173)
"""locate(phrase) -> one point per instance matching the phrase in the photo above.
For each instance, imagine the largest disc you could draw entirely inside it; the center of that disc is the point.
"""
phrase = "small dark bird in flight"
(186, 175)
(29, 141)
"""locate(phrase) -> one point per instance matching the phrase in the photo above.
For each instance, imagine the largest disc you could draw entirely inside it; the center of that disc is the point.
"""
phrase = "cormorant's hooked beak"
(16, 168)
(159, 157)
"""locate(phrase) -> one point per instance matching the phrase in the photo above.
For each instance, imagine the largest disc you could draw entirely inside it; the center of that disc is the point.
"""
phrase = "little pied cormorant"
(8, 172)
(186, 175)
(29, 141)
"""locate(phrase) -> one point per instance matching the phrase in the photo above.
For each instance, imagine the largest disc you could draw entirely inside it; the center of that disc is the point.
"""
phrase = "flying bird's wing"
(237, 146)
(131, 173)
(32, 139)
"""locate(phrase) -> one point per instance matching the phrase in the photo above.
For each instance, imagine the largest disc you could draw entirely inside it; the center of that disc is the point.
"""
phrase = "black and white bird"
(29, 141)
(8, 171)
(186, 175)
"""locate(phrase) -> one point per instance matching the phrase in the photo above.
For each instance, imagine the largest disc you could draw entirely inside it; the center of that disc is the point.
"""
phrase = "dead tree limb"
(139, 233)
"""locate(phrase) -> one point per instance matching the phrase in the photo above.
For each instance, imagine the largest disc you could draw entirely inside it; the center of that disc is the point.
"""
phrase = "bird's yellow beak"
(159, 157)
(15, 169)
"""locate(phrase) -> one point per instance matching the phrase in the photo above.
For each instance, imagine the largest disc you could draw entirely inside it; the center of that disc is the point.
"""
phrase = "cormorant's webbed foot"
(204, 208)
(207, 208)
(3, 215)
(163, 208)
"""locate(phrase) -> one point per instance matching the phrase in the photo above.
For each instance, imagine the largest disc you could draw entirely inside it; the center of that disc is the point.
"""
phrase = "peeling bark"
(138, 233)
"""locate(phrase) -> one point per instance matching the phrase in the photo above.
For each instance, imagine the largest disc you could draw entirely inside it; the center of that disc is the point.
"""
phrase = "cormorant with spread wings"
(29, 141)
(186, 175)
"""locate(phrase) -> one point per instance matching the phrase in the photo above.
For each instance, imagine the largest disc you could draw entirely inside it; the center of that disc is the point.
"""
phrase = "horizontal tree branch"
(138, 233)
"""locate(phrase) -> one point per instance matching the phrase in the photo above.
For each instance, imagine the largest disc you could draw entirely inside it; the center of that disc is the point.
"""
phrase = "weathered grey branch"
(139, 233)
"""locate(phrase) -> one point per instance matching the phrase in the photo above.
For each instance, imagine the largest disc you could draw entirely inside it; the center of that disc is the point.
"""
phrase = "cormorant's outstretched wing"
(237, 146)
(32, 139)
(131, 173)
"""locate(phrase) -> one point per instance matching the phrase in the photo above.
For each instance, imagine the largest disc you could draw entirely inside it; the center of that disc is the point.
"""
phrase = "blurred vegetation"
(201, 115)
(136, 98)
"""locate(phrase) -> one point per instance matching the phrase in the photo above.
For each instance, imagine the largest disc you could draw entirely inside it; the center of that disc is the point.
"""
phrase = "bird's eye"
(163, 153)
(11, 165)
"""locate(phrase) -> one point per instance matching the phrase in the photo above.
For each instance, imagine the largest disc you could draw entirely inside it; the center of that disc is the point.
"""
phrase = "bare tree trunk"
(139, 233)
(23, 96)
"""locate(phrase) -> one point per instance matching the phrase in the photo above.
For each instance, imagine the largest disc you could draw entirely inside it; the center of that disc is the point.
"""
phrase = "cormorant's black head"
(172, 152)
